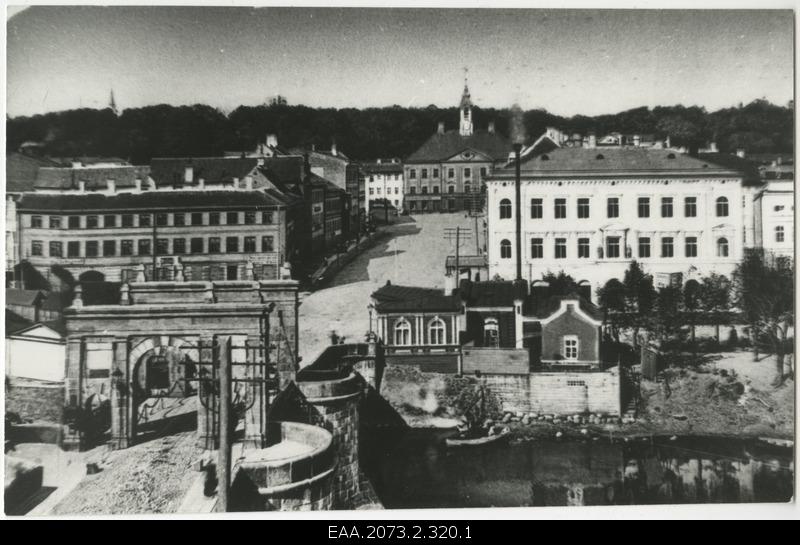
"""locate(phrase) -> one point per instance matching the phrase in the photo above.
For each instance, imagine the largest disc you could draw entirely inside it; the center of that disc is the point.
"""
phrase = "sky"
(565, 61)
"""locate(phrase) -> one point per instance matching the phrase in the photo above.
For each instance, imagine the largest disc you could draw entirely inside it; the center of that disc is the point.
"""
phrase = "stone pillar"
(207, 410)
(73, 384)
(255, 431)
(122, 421)
(140, 276)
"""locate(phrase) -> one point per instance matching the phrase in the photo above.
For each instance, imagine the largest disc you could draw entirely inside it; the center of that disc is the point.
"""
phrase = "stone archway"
(163, 366)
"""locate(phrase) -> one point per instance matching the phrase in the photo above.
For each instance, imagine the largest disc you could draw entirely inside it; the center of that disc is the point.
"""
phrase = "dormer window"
(671, 156)
(545, 157)
(600, 156)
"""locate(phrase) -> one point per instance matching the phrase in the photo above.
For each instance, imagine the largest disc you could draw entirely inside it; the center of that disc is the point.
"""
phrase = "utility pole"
(155, 246)
(457, 234)
(225, 435)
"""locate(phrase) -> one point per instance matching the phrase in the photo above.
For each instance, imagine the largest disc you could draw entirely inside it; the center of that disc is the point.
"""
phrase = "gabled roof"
(440, 147)
(745, 166)
(491, 293)
(615, 161)
(148, 200)
(94, 178)
(21, 171)
(24, 298)
(382, 168)
(15, 322)
(165, 172)
(391, 298)
(549, 306)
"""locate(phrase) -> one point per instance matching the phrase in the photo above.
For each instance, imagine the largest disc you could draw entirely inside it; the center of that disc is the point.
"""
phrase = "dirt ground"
(413, 256)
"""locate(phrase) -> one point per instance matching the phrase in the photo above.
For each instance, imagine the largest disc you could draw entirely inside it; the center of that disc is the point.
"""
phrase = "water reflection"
(416, 470)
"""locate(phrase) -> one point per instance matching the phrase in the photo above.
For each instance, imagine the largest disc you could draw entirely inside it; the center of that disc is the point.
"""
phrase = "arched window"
(722, 247)
(467, 188)
(402, 332)
(436, 331)
(451, 189)
(505, 209)
(505, 249)
(779, 234)
(491, 333)
(722, 207)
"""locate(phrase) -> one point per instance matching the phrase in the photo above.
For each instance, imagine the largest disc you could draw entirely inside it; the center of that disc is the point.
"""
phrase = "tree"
(639, 298)
(715, 300)
(667, 319)
(611, 298)
(560, 284)
(691, 302)
(765, 294)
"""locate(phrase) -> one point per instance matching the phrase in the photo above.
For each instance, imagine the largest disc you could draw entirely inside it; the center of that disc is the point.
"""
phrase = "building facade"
(590, 212)
(447, 173)
(384, 182)
(774, 218)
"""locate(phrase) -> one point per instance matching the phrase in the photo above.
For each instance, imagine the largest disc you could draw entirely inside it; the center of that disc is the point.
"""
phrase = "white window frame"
(434, 323)
(567, 349)
(402, 326)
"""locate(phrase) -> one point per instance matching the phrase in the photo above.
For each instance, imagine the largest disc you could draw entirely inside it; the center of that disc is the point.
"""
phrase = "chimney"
(201, 183)
(378, 162)
(248, 183)
(81, 186)
(188, 174)
(112, 185)
(235, 182)
(490, 128)
(272, 140)
(76, 164)
(714, 148)
(441, 127)
(313, 147)
(637, 140)
(138, 185)
(518, 211)
(740, 153)
(779, 160)
(333, 148)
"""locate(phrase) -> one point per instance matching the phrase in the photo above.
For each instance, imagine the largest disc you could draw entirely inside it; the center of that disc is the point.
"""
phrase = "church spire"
(112, 103)
(465, 127)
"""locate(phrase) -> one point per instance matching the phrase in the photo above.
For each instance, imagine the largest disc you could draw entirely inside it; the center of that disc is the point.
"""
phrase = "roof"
(23, 298)
(148, 200)
(466, 261)
(165, 172)
(545, 308)
(440, 147)
(15, 322)
(89, 160)
(284, 170)
(391, 298)
(746, 166)
(616, 161)
(21, 171)
(58, 326)
(491, 293)
(94, 177)
(382, 168)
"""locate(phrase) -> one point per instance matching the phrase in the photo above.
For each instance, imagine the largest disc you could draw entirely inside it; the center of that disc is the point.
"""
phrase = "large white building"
(383, 179)
(591, 211)
(774, 218)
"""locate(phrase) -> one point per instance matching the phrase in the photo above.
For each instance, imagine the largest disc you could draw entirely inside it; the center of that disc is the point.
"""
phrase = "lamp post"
(371, 308)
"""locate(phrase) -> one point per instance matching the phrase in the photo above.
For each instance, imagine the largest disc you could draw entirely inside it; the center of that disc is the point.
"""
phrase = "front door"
(232, 272)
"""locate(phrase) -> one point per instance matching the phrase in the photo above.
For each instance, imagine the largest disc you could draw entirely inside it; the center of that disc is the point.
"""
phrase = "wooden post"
(225, 432)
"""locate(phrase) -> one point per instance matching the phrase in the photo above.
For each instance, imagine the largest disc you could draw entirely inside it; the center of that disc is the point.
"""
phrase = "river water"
(414, 469)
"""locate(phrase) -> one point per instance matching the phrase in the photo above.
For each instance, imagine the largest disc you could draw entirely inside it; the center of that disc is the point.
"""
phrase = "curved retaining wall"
(288, 480)
(334, 406)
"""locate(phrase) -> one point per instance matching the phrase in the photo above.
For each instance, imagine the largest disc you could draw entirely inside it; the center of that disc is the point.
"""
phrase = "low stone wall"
(33, 400)
(558, 393)
(501, 361)
(335, 264)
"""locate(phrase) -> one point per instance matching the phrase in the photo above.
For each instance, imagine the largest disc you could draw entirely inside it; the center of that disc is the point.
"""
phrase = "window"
(268, 243)
(560, 208)
(436, 331)
(612, 207)
(644, 207)
(612, 247)
(412, 174)
(436, 190)
(491, 333)
(691, 246)
(92, 222)
(197, 218)
(179, 246)
(722, 207)
(213, 219)
(74, 222)
(144, 220)
(214, 245)
(722, 247)
(425, 190)
(644, 246)
(667, 249)
(144, 246)
(36, 222)
(127, 220)
(505, 249)
(666, 207)
(109, 248)
(402, 332)
(249, 218)
(36, 247)
(371, 191)
(779, 234)
(267, 218)
(424, 174)
(126, 247)
(109, 220)
(162, 246)
(505, 209)
(157, 373)
(413, 190)
(232, 218)
(451, 173)
(250, 244)
(436, 173)
(56, 249)
(179, 220)
(73, 248)
(232, 245)
(451, 189)
(583, 208)
(196, 245)
(570, 347)
(583, 248)
(92, 248)
(537, 211)
(467, 172)
(483, 172)
(537, 248)
(467, 188)
(561, 248)
(55, 222)
(690, 207)
(162, 220)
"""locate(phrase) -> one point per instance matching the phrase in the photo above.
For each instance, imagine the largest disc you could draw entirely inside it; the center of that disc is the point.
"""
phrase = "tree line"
(139, 134)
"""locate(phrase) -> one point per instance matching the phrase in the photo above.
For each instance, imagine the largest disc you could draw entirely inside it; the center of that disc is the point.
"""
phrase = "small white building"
(36, 351)
(383, 179)
(592, 211)
(774, 218)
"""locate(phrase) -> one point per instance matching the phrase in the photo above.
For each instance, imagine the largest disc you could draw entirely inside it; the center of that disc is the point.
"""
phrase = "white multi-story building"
(592, 211)
(774, 218)
(384, 180)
